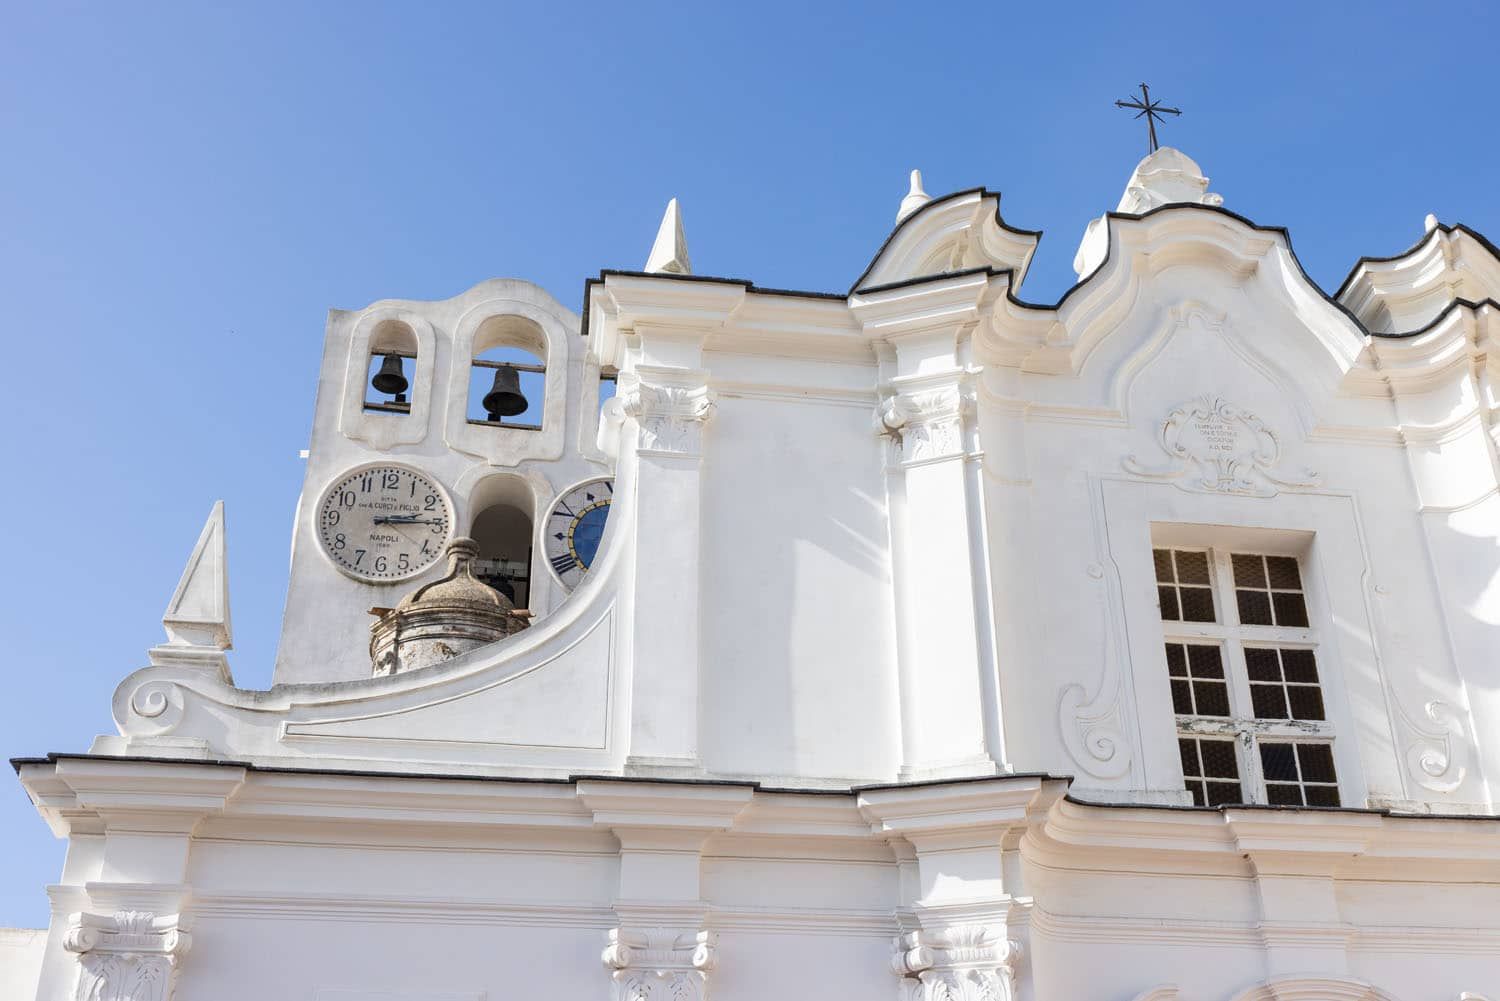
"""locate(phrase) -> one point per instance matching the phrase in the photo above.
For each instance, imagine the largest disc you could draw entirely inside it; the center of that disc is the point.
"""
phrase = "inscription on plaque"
(1217, 446)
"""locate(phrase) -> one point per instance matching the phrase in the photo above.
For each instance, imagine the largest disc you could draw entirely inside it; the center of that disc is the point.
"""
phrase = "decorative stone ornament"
(959, 963)
(1214, 445)
(915, 198)
(659, 964)
(127, 956)
(669, 254)
(197, 616)
(439, 621)
(670, 417)
(927, 424)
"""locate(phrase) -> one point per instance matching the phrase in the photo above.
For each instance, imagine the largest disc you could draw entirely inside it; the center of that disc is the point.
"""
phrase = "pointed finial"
(669, 254)
(1430, 223)
(197, 617)
(915, 198)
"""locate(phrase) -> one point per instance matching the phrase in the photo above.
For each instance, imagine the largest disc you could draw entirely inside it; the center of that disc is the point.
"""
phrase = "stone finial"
(1430, 223)
(1166, 177)
(915, 198)
(197, 616)
(669, 254)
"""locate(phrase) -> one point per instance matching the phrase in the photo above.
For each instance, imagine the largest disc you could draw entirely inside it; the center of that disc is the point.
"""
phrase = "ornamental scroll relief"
(1214, 446)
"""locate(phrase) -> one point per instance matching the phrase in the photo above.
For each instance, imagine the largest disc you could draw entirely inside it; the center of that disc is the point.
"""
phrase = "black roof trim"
(1453, 306)
(53, 757)
(981, 191)
(1268, 808)
(940, 276)
(1442, 227)
(749, 286)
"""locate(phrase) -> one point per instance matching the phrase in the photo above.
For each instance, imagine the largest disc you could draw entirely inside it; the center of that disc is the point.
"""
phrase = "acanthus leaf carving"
(126, 956)
(925, 424)
(670, 417)
(1215, 446)
(659, 964)
(969, 962)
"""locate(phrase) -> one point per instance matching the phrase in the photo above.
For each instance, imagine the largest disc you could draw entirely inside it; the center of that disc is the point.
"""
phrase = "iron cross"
(1152, 110)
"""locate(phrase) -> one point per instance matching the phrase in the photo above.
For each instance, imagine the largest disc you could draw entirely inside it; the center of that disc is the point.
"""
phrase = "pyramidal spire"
(197, 617)
(915, 198)
(669, 254)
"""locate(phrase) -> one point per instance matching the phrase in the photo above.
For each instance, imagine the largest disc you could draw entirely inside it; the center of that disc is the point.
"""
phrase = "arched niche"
(509, 326)
(409, 338)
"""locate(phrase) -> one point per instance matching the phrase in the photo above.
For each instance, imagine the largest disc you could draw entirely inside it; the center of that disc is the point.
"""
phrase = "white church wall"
(798, 659)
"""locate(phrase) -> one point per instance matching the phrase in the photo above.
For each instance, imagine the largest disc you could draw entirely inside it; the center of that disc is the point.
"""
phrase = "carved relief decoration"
(670, 417)
(1093, 729)
(960, 963)
(127, 956)
(1214, 446)
(1432, 748)
(927, 424)
(659, 964)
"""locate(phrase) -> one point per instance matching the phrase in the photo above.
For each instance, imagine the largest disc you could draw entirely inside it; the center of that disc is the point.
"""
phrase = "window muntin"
(1242, 665)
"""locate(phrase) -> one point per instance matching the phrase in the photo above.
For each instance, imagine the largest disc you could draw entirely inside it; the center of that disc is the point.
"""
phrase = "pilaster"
(969, 912)
(652, 330)
(1296, 857)
(951, 720)
(124, 910)
(660, 950)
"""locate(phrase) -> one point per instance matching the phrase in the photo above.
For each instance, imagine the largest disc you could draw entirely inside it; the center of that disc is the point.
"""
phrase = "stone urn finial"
(439, 621)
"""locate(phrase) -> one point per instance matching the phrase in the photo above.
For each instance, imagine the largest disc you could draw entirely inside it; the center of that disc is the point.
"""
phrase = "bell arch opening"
(390, 368)
(508, 374)
(502, 523)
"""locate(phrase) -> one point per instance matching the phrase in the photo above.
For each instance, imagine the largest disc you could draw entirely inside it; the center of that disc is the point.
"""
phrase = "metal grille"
(1211, 770)
(1299, 774)
(1268, 590)
(1183, 585)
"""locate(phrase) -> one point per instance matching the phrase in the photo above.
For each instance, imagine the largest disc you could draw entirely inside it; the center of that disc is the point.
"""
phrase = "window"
(1241, 659)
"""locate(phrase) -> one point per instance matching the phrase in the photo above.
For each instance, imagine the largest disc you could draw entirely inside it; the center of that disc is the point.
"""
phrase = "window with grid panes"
(1241, 658)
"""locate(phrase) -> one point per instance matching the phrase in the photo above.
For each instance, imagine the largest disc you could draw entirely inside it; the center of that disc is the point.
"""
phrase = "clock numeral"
(380, 564)
(563, 562)
(347, 498)
(339, 542)
(413, 492)
(366, 483)
(403, 562)
(331, 517)
(390, 481)
(359, 554)
(431, 504)
(426, 551)
(437, 528)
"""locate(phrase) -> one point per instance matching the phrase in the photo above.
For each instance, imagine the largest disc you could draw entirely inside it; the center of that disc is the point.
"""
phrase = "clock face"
(384, 522)
(575, 524)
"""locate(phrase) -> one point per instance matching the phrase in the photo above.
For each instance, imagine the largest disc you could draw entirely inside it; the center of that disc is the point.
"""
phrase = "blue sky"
(185, 189)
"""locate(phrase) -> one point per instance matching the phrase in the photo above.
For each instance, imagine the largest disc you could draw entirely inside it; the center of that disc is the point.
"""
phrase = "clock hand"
(404, 519)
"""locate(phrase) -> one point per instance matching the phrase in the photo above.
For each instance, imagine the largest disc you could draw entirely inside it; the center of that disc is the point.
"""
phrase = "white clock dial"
(575, 524)
(384, 522)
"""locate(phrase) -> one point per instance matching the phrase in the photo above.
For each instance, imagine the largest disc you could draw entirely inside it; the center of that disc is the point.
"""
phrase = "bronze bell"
(390, 380)
(504, 398)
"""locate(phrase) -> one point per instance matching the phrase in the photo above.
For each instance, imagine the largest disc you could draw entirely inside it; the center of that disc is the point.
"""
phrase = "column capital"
(128, 955)
(670, 407)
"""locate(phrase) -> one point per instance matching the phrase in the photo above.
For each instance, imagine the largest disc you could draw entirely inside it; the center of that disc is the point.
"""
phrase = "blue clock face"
(575, 525)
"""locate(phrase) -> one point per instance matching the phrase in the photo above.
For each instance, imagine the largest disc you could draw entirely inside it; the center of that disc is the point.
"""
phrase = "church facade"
(920, 642)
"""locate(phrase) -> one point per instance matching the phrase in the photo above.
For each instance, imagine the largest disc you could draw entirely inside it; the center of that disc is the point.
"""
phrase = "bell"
(504, 398)
(390, 380)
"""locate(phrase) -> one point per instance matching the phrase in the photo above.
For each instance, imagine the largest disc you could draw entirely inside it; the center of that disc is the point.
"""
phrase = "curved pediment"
(958, 232)
(1391, 295)
(1315, 989)
(1219, 250)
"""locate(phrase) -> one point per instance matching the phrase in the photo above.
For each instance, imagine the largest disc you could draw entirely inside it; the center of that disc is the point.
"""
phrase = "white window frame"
(1232, 637)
